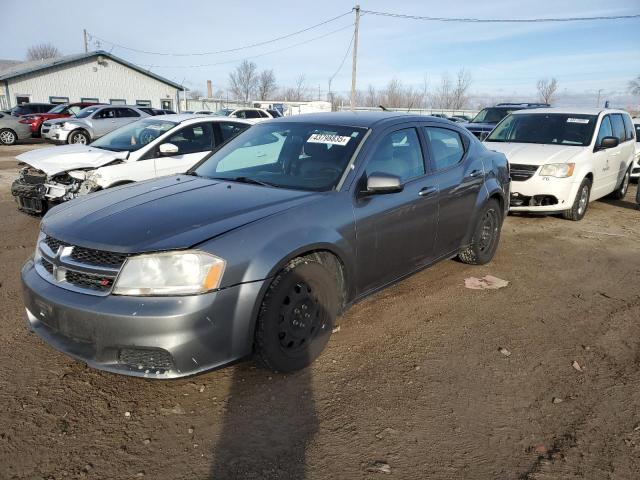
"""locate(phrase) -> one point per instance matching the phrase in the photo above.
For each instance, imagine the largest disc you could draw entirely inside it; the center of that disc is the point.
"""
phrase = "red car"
(59, 111)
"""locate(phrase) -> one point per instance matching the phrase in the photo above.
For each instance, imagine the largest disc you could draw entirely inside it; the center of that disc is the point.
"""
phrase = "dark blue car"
(484, 122)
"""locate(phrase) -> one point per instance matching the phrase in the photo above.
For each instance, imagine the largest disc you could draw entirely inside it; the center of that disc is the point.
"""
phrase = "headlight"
(559, 170)
(170, 273)
(57, 125)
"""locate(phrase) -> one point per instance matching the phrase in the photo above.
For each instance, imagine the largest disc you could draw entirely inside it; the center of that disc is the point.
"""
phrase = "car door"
(194, 141)
(395, 232)
(125, 115)
(618, 156)
(458, 177)
(602, 160)
(103, 121)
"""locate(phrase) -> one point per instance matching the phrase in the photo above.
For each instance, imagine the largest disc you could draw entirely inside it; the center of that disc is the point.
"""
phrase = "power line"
(252, 56)
(236, 49)
(344, 59)
(501, 20)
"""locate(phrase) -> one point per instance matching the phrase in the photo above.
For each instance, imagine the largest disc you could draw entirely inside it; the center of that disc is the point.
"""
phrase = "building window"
(166, 104)
(89, 100)
(143, 103)
(20, 99)
(58, 100)
(117, 101)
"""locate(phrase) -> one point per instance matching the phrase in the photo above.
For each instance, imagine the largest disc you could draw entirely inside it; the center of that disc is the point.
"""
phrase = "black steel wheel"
(486, 236)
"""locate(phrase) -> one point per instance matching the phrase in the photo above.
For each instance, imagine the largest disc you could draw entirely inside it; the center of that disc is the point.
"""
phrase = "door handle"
(427, 191)
(474, 173)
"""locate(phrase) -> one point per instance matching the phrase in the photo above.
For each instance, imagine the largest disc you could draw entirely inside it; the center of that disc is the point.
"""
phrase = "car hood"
(169, 213)
(55, 160)
(478, 127)
(534, 153)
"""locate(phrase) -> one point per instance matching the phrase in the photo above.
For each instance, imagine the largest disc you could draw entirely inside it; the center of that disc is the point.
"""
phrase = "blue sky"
(505, 60)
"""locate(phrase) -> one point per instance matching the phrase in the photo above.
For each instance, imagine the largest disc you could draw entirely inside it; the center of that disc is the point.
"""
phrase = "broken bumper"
(151, 337)
(30, 197)
(543, 194)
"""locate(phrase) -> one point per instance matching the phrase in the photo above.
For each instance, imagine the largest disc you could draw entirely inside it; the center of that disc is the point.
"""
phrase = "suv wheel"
(8, 137)
(79, 137)
(297, 315)
(486, 236)
(621, 191)
(581, 202)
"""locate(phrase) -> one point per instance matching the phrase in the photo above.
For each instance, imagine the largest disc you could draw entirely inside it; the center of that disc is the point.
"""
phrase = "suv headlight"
(186, 272)
(559, 170)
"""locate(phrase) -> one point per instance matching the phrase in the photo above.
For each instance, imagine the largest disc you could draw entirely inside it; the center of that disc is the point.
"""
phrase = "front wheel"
(79, 137)
(486, 236)
(8, 137)
(297, 315)
(581, 202)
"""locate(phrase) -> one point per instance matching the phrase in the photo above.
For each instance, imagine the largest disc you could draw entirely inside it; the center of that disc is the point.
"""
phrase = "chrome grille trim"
(60, 268)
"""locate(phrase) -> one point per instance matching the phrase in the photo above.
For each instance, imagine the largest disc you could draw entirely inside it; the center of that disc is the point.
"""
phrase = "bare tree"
(634, 86)
(42, 51)
(243, 81)
(547, 89)
(195, 94)
(299, 92)
(266, 84)
(441, 97)
(372, 98)
(459, 97)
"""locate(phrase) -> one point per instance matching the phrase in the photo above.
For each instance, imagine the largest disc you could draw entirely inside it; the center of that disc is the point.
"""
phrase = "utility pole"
(86, 41)
(355, 59)
(598, 102)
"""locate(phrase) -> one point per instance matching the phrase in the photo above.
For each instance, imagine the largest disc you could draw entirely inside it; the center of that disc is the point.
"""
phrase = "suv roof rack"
(523, 104)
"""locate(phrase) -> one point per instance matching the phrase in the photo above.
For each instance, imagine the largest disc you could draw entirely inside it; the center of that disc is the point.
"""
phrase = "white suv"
(635, 169)
(562, 159)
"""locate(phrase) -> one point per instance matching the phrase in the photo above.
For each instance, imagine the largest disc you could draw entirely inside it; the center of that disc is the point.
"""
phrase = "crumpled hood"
(165, 214)
(534, 153)
(69, 157)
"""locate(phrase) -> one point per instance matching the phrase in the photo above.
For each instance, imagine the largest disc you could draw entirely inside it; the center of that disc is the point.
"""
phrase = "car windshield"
(545, 128)
(300, 156)
(59, 109)
(223, 113)
(134, 136)
(85, 112)
(491, 115)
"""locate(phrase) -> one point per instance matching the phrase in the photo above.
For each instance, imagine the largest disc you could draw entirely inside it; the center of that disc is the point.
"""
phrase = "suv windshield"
(546, 128)
(299, 156)
(134, 136)
(491, 115)
(85, 112)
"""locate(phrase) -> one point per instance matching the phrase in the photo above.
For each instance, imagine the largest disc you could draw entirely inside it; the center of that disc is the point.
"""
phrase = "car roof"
(193, 118)
(568, 110)
(362, 119)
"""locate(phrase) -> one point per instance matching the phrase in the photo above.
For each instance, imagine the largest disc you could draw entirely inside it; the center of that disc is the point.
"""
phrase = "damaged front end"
(35, 191)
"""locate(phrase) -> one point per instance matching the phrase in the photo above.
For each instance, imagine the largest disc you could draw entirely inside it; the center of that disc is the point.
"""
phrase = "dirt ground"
(413, 382)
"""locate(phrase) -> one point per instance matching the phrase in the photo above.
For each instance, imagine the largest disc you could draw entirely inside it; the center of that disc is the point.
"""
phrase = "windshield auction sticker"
(328, 139)
(578, 120)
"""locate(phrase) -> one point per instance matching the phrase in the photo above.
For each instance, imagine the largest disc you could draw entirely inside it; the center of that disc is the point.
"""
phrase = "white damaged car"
(149, 148)
(561, 159)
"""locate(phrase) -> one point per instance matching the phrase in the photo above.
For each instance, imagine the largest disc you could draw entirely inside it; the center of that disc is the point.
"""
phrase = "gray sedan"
(258, 249)
(11, 130)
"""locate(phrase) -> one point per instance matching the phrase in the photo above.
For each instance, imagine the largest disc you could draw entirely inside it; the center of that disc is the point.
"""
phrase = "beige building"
(93, 77)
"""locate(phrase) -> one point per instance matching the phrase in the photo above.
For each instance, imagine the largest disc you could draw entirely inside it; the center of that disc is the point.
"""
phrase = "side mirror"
(168, 149)
(378, 183)
(609, 142)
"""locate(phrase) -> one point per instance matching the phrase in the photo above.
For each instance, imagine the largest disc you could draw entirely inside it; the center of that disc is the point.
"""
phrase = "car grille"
(152, 359)
(520, 173)
(77, 268)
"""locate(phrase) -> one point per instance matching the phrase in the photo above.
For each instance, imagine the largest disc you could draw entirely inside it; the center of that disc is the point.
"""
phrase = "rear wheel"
(621, 191)
(297, 315)
(486, 236)
(581, 202)
(8, 136)
(79, 137)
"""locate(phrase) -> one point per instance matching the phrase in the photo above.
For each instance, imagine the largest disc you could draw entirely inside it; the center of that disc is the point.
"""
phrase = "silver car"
(90, 123)
(11, 130)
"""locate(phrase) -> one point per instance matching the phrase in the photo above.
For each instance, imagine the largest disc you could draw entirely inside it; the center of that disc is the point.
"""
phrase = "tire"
(8, 137)
(621, 191)
(78, 137)
(297, 315)
(580, 203)
(486, 236)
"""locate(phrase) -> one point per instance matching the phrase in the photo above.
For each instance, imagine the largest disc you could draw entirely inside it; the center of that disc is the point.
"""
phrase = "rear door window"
(127, 113)
(445, 145)
(618, 127)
